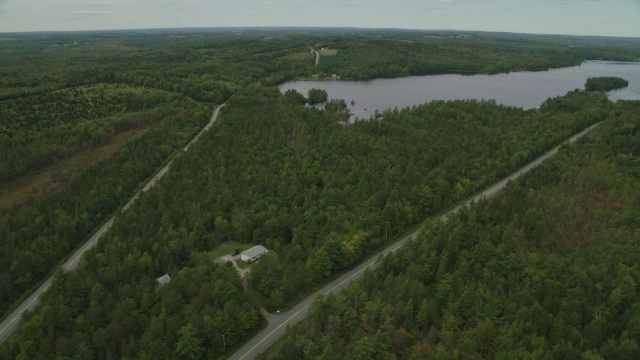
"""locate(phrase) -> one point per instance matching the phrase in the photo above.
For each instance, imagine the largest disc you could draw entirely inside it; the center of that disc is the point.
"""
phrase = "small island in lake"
(605, 83)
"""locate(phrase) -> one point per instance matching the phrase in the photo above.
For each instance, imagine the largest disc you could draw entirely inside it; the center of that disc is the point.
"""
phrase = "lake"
(527, 89)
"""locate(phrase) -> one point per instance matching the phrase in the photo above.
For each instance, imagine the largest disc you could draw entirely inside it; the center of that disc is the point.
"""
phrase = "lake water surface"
(526, 89)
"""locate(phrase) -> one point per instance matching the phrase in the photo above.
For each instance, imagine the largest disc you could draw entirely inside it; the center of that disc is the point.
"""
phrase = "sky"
(575, 17)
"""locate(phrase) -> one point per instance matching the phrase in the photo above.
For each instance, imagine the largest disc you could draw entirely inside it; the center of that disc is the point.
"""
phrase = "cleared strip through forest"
(11, 322)
(41, 183)
(279, 323)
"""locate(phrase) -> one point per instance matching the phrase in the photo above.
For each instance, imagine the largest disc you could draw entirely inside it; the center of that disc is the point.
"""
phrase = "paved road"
(317, 55)
(11, 322)
(279, 323)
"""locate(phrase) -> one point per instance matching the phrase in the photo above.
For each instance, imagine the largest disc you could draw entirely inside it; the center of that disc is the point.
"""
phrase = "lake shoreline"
(524, 89)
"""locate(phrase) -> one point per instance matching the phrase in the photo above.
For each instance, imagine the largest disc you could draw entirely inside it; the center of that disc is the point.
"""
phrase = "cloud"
(92, 12)
(343, 3)
(572, 1)
(258, 6)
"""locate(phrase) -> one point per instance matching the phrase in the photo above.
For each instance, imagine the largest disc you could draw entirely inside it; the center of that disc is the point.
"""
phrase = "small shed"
(164, 279)
(253, 254)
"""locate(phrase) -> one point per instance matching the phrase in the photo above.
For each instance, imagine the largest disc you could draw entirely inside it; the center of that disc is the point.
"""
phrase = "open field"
(227, 248)
(329, 52)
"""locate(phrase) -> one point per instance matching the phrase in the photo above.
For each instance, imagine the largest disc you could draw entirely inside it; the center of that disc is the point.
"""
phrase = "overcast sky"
(578, 17)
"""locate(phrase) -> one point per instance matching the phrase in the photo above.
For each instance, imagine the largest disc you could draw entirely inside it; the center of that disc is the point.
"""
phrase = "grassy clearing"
(329, 52)
(242, 264)
(53, 177)
(227, 248)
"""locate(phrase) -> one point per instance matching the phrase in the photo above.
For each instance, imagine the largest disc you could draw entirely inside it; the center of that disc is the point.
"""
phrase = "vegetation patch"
(605, 83)
(328, 52)
(536, 272)
(228, 248)
(52, 178)
(321, 192)
(301, 56)
(316, 96)
(39, 130)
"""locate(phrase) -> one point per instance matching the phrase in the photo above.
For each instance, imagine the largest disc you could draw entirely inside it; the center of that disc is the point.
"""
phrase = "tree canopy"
(547, 269)
(316, 96)
(605, 83)
(319, 191)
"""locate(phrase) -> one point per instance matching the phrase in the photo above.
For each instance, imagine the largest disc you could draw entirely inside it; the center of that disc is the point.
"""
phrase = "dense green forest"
(316, 96)
(37, 237)
(373, 55)
(547, 269)
(319, 192)
(210, 66)
(605, 83)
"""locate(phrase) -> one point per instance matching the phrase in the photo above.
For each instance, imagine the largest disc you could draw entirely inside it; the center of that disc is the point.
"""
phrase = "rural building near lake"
(253, 254)
(164, 279)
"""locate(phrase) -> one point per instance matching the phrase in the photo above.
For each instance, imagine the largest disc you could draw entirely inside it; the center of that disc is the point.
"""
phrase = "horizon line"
(313, 28)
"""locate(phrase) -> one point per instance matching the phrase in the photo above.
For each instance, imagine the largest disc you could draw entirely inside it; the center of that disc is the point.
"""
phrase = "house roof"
(255, 251)
(164, 279)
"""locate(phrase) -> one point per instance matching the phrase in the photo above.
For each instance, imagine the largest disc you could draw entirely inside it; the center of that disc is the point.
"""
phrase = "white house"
(253, 254)
(164, 279)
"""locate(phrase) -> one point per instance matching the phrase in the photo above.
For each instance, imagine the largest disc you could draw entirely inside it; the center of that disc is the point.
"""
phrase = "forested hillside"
(548, 269)
(371, 56)
(39, 130)
(38, 236)
(317, 191)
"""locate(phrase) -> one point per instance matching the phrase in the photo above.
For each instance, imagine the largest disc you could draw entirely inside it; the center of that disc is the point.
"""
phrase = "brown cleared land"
(54, 177)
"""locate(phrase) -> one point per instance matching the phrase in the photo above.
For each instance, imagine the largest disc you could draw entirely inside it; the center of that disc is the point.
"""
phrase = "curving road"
(279, 323)
(11, 322)
(317, 55)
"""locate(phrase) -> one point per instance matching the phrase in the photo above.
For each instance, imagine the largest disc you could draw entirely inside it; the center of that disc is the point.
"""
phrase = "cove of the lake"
(527, 89)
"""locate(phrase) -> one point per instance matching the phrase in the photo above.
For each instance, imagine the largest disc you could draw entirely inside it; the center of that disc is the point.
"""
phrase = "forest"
(319, 192)
(38, 235)
(39, 130)
(547, 269)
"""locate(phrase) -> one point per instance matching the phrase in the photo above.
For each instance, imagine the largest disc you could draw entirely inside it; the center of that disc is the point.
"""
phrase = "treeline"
(204, 66)
(314, 96)
(209, 66)
(605, 83)
(319, 193)
(372, 56)
(38, 237)
(547, 269)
